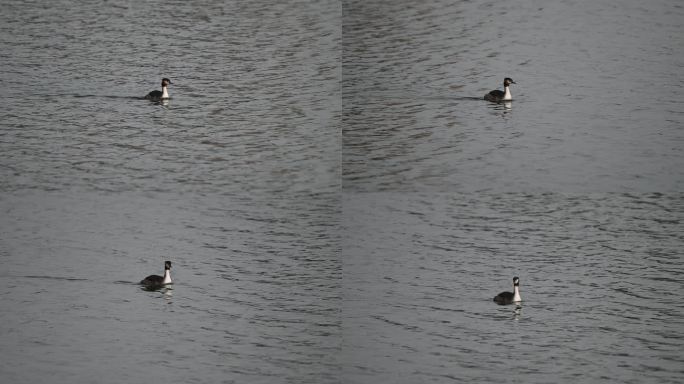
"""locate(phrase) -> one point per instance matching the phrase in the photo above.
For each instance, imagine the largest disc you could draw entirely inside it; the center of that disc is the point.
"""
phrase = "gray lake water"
(600, 278)
(597, 104)
(235, 180)
(339, 204)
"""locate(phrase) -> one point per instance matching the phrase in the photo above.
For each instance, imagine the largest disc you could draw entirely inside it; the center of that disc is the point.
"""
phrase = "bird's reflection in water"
(517, 311)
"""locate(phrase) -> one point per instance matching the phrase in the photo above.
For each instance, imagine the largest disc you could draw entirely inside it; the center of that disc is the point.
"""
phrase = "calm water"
(339, 205)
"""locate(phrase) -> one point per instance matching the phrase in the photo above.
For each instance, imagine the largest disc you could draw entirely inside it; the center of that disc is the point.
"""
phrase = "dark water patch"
(55, 278)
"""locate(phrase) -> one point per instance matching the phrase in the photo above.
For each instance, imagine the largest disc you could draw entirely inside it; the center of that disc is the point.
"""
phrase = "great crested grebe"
(158, 95)
(497, 95)
(504, 298)
(158, 281)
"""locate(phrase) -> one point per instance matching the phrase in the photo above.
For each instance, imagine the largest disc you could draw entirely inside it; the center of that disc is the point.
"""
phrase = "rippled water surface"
(235, 180)
(575, 187)
(596, 105)
(338, 202)
(600, 278)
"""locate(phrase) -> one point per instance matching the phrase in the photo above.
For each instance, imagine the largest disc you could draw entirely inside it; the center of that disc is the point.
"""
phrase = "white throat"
(516, 294)
(165, 92)
(507, 94)
(167, 277)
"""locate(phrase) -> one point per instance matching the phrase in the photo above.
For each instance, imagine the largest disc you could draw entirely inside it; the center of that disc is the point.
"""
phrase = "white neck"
(507, 94)
(165, 93)
(167, 277)
(516, 294)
